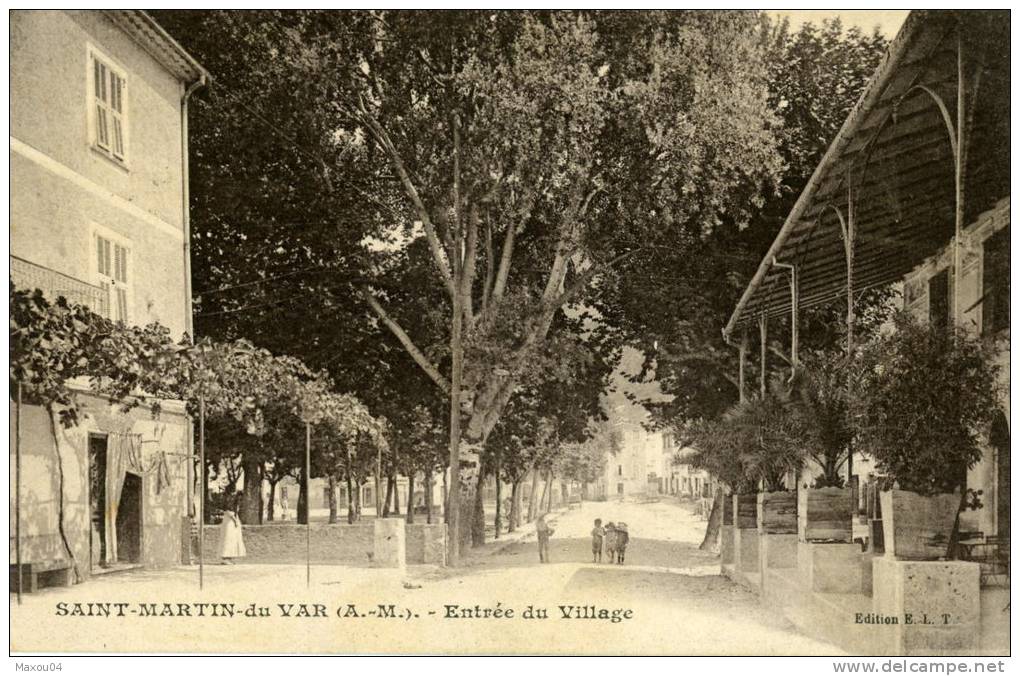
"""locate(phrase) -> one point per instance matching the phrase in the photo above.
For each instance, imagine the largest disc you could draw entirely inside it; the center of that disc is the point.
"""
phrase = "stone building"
(99, 215)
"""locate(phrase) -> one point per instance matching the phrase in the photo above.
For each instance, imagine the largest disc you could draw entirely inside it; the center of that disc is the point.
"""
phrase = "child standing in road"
(610, 541)
(544, 532)
(597, 534)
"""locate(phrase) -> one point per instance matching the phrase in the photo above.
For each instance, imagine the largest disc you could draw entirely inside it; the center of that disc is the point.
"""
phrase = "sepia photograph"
(506, 332)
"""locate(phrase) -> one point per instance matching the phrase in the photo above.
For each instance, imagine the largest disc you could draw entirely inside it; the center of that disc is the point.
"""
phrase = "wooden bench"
(40, 574)
(573, 501)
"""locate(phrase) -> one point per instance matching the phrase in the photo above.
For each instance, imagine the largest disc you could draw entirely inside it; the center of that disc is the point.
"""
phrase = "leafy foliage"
(673, 312)
(51, 344)
(926, 396)
(820, 399)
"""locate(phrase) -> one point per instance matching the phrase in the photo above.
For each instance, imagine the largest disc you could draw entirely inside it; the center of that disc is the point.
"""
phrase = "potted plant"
(769, 438)
(819, 397)
(926, 395)
(709, 446)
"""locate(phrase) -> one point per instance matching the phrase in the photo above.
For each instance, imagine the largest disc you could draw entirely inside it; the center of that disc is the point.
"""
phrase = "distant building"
(99, 215)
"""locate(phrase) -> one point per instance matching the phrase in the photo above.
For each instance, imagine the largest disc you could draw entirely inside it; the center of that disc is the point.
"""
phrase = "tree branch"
(383, 138)
(490, 266)
(405, 340)
(470, 262)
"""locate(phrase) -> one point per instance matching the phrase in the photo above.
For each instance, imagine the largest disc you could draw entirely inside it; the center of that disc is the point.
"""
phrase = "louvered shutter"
(117, 113)
(102, 104)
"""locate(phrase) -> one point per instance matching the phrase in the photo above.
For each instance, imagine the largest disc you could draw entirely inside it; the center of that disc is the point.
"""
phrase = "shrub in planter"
(768, 437)
(714, 450)
(820, 400)
(819, 397)
(925, 395)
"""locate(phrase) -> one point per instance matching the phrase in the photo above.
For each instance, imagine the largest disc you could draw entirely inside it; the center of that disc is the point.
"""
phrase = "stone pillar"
(745, 528)
(745, 545)
(726, 545)
(928, 607)
(830, 567)
(778, 550)
(389, 546)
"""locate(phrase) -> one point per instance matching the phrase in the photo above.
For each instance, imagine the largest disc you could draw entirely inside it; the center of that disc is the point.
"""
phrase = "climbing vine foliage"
(59, 350)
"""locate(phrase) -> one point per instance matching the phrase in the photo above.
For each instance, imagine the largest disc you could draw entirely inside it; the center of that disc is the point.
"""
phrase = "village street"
(668, 598)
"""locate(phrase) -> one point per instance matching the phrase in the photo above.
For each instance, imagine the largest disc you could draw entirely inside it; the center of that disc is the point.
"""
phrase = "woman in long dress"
(231, 538)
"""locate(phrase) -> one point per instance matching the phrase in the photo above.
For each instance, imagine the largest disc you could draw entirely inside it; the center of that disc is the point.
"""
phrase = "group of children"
(613, 538)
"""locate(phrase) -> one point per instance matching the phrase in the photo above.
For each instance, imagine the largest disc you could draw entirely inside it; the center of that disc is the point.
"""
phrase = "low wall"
(337, 543)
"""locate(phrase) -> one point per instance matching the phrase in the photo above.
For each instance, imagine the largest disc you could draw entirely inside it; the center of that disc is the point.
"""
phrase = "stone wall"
(337, 543)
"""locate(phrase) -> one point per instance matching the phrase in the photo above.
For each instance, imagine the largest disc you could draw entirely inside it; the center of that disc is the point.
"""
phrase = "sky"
(888, 20)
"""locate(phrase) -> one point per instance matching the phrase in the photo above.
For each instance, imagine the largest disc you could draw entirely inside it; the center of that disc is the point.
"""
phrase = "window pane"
(995, 307)
(107, 268)
(101, 89)
(116, 92)
(938, 300)
(118, 137)
(120, 272)
(102, 133)
(121, 304)
(97, 83)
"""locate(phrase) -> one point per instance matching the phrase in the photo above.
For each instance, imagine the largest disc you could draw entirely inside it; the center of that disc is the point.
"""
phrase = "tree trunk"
(378, 481)
(350, 490)
(714, 521)
(389, 494)
(563, 492)
(396, 494)
(302, 499)
(498, 522)
(360, 484)
(478, 520)
(262, 500)
(428, 495)
(410, 497)
(543, 502)
(534, 494)
(271, 506)
(331, 486)
(446, 496)
(515, 508)
(252, 488)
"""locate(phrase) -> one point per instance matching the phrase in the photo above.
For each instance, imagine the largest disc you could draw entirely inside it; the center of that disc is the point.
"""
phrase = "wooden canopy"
(890, 174)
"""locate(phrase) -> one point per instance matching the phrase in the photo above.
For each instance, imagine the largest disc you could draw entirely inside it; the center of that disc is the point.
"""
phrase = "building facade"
(98, 172)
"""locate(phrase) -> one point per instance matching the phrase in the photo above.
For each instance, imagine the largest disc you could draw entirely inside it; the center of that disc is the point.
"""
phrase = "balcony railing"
(28, 275)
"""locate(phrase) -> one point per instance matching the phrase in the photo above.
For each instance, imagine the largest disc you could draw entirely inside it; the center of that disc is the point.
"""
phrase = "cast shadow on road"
(677, 557)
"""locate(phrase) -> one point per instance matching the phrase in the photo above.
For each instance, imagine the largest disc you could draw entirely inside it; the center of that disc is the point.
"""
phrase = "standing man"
(544, 533)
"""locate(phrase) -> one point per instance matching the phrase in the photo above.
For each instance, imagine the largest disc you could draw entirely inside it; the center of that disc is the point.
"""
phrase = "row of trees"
(471, 194)
(256, 407)
(252, 400)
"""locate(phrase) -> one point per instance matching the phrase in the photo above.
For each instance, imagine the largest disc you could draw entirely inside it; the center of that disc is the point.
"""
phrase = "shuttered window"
(995, 305)
(112, 262)
(938, 300)
(108, 108)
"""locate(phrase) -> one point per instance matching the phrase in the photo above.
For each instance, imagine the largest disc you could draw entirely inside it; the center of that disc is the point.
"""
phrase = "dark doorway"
(1000, 442)
(129, 520)
(97, 500)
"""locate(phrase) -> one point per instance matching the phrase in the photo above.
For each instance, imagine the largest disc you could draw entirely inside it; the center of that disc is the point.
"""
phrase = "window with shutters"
(938, 300)
(113, 272)
(995, 278)
(108, 112)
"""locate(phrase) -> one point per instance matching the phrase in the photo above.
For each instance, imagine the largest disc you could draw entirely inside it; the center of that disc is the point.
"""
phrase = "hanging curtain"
(121, 456)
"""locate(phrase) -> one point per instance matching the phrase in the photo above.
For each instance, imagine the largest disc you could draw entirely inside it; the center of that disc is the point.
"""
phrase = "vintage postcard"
(510, 332)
